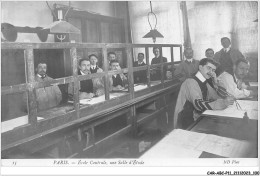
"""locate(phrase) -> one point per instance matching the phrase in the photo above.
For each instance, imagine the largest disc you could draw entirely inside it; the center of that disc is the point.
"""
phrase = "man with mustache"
(47, 97)
(196, 95)
(233, 83)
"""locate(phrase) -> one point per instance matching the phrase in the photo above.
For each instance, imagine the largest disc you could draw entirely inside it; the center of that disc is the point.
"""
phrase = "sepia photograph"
(129, 87)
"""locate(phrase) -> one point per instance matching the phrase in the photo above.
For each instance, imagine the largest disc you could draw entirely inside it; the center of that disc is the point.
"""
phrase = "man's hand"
(229, 100)
(84, 95)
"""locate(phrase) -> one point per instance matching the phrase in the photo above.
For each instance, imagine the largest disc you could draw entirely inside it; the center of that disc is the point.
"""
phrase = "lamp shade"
(153, 34)
(9, 32)
(62, 27)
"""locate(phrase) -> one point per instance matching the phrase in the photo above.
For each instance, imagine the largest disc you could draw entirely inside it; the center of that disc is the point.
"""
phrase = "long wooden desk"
(212, 136)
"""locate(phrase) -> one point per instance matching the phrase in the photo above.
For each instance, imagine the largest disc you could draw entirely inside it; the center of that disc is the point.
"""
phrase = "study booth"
(111, 125)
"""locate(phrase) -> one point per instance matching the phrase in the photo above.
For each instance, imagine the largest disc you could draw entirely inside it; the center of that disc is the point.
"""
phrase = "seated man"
(87, 88)
(94, 68)
(234, 84)
(209, 53)
(156, 72)
(196, 95)
(118, 81)
(140, 76)
(188, 67)
(46, 97)
(111, 56)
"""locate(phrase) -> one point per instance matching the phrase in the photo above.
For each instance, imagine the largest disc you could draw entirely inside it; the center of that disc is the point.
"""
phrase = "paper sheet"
(253, 84)
(251, 107)
(177, 144)
(223, 146)
(140, 87)
(99, 99)
(13, 123)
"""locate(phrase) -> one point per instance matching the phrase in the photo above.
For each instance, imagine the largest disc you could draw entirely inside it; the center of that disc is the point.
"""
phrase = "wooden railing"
(35, 129)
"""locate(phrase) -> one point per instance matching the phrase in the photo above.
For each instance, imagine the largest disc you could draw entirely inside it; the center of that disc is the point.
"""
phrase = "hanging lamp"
(153, 32)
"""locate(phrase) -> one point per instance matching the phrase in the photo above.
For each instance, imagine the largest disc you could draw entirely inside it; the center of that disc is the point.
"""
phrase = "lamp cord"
(151, 13)
(51, 11)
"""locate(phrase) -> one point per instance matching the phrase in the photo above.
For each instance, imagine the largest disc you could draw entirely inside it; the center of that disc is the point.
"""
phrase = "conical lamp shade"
(62, 27)
(153, 34)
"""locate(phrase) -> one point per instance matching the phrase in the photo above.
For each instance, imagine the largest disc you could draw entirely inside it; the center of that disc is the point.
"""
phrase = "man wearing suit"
(140, 76)
(47, 97)
(94, 68)
(87, 88)
(117, 81)
(156, 72)
(227, 56)
(188, 67)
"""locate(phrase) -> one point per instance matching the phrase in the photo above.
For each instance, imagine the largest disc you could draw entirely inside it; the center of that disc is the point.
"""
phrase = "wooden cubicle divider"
(85, 118)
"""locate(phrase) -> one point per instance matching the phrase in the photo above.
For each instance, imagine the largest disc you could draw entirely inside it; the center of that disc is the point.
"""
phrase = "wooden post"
(148, 66)
(181, 53)
(106, 78)
(172, 60)
(73, 56)
(30, 77)
(162, 67)
(131, 90)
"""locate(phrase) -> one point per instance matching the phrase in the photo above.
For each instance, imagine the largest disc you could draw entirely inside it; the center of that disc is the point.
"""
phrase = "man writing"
(196, 95)
(233, 83)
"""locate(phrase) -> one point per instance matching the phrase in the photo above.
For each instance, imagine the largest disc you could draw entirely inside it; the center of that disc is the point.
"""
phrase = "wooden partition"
(81, 121)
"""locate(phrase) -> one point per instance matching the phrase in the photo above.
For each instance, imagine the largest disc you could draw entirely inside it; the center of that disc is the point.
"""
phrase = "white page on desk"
(248, 105)
(185, 139)
(13, 123)
(139, 87)
(251, 107)
(223, 146)
(253, 84)
(165, 150)
(225, 113)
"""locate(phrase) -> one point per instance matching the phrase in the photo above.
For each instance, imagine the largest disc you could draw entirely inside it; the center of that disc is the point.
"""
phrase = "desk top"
(188, 144)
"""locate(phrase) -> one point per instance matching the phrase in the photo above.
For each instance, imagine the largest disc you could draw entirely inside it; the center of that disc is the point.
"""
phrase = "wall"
(210, 21)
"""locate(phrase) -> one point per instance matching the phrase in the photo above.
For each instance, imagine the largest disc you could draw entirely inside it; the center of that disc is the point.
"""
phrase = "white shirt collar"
(227, 49)
(189, 60)
(39, 75)
(140, 62)
(93, 66)
(82, 73)
(200, 76)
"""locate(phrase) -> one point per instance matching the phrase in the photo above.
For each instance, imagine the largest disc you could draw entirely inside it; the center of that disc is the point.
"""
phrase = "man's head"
(188, 53)
(207, 67)
(93, 59)
(84, 65)
(111, 56)
(156, 52)
(209, 53)
(114, 65)
(140, 57)
(225, 42)
(41, 69)
(241, 68)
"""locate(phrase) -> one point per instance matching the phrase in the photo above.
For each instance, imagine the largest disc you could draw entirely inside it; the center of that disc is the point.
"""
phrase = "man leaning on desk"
(87, 88)
(197, 94)
(233, 83)
(46, 97)
(117, 82)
